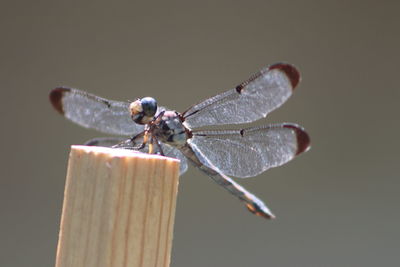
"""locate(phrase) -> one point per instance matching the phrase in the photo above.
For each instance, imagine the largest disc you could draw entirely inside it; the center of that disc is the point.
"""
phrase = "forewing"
(124, 143)
(251, 100)
(249, 152)
(94, 112)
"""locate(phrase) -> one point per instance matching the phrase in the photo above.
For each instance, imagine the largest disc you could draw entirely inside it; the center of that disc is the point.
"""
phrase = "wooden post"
(119, 209)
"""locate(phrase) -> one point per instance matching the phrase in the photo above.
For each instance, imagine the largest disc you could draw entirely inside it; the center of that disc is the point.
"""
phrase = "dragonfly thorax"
(169, 129)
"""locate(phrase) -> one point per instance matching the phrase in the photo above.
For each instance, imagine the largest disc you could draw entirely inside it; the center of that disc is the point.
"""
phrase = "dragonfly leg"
(159, 147)
(145, 135)
(151, 148)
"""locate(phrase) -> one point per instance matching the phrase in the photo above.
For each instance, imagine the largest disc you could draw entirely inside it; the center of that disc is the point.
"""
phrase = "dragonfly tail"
(253, 203)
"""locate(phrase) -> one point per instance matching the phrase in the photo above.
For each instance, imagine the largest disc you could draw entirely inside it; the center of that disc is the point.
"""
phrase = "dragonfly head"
(143, 110)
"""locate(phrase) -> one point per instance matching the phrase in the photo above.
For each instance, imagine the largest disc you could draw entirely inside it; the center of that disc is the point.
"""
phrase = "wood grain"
(119, 209)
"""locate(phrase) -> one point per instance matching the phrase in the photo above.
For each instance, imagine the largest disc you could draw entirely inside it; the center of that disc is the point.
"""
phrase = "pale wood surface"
(119, 209)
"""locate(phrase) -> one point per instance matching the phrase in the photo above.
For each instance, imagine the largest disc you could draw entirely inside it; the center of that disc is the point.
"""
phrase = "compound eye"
(149, 106)
(143, 110)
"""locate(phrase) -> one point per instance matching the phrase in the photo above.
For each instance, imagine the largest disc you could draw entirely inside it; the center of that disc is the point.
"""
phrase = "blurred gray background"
(337, 205)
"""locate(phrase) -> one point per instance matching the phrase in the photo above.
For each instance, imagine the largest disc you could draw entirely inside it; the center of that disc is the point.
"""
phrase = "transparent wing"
(94, 112)
(120, 142)
(170, 151)
(253, 203)
(251, 100)
(105, 141)
(249, 152)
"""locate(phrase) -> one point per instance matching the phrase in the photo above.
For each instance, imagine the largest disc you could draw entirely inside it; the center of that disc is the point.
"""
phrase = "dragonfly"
(246, 152)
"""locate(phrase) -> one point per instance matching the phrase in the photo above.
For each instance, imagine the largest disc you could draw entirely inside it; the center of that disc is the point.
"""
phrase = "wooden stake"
(119, 209)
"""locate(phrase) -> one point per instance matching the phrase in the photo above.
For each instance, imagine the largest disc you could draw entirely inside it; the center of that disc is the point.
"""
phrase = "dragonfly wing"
(94, 112)
(170, 151)
(120, 142)
(253, 203)
(105, 141)
(251, 100)
(249, 152)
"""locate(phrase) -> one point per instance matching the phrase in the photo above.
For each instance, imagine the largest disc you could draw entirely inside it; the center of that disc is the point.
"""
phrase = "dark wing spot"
(56, 96)
(291, 72)
(242, 132)
(239, 88)
(107, 103)
(303, 140)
